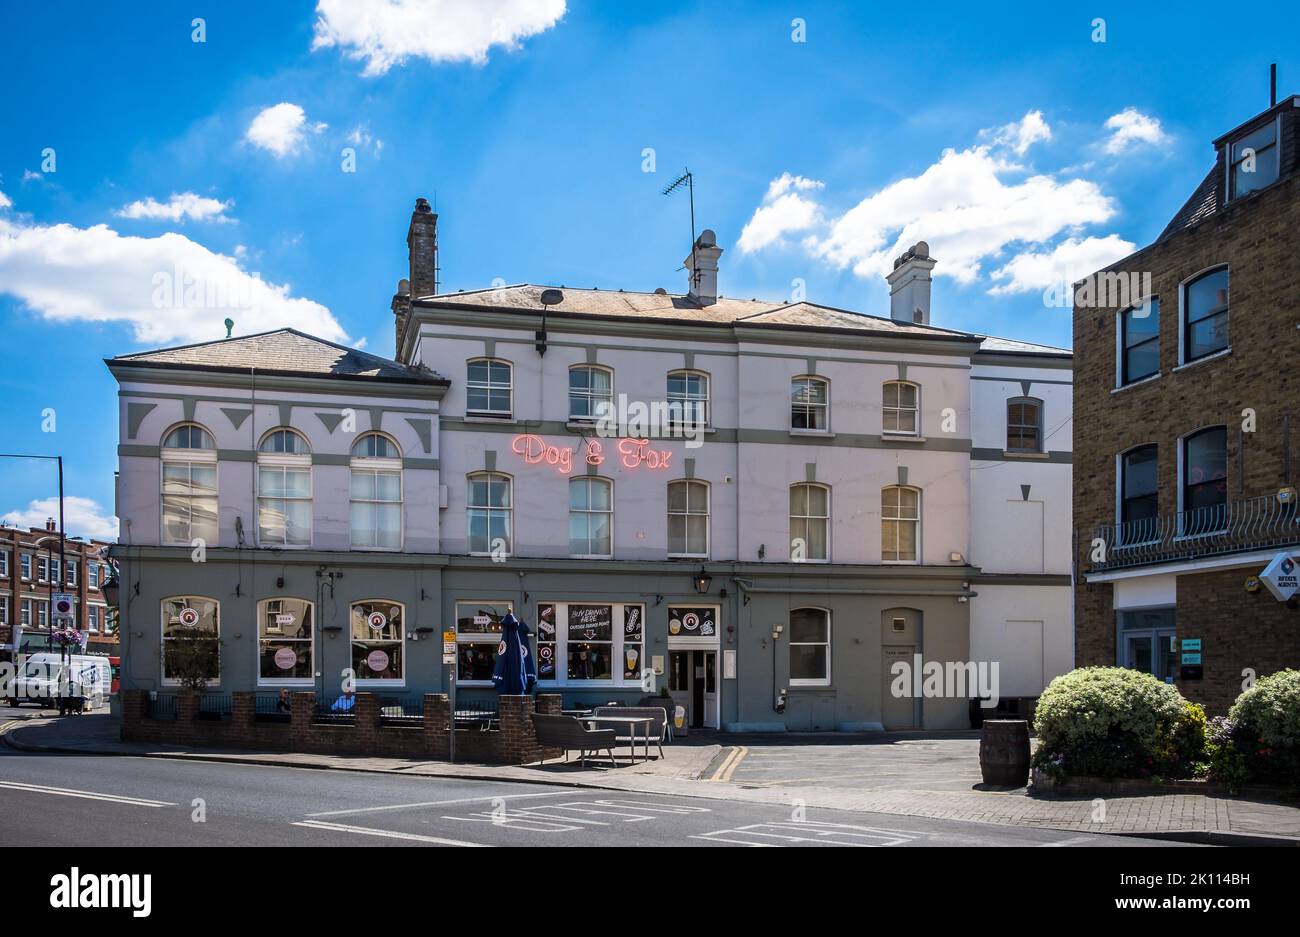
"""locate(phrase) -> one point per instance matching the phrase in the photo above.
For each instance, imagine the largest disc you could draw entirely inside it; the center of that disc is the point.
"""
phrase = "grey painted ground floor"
(748, 647)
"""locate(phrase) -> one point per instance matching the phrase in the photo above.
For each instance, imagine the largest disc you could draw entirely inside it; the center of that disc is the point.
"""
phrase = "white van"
(39, 680)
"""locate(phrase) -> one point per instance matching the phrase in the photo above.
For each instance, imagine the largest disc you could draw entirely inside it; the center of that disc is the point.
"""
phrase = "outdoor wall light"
(422, 633)
(702, 581)
(332, 630)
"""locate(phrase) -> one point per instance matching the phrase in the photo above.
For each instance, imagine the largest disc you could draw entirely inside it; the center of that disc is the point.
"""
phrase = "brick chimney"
(50, 524)
(909, 285)
(422, 263)
(702, 268)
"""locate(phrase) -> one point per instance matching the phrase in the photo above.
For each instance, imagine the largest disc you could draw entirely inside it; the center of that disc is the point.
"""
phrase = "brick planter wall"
(427, 739)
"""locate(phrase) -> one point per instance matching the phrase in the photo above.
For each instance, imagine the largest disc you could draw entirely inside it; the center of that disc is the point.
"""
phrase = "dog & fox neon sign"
(633, 453)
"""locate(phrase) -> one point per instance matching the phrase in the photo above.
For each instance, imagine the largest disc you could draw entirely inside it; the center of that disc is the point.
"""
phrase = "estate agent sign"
(1281, 577)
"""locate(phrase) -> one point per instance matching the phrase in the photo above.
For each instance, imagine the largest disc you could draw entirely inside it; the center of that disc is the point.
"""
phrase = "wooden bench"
(568, 733)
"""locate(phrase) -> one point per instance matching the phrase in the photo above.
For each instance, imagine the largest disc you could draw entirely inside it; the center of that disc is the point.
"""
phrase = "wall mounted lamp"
(702, 582)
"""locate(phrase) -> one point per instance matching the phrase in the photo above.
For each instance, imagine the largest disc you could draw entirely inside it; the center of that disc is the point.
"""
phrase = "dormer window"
(1253, 160)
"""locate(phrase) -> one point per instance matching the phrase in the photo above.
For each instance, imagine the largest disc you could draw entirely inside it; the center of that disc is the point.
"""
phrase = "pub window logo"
(76, 890)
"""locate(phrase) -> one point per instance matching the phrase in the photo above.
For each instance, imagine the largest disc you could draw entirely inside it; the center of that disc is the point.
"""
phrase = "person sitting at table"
(344, 703)
(284, 704)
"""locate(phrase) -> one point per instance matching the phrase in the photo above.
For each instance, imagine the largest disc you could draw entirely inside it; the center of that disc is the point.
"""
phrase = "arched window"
(591, 391)
(810, 514)
(901, 408)
(378, 641)
(1139, 341)
(285, 629)
(284, 505)
(489, 514)
(191, 640)
(189, 486)
(688, 518)
(376, 493)
(1024, 424)
(688, 398)
(591, 517)
(1205, 481)
(810, 647)
(810, 403)
(489, 388)
(900, 524)
(1139, 491)
(1205, 314)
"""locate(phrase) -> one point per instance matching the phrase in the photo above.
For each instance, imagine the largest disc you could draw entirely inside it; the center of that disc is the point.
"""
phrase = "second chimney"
(702, 268)
(909, 285)
(422, 249)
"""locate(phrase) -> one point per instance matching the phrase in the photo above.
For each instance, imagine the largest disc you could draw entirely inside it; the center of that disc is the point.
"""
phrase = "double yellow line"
(728, 766)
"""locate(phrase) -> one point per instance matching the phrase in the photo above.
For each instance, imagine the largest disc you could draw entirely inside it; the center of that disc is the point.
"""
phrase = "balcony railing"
(1234, 527)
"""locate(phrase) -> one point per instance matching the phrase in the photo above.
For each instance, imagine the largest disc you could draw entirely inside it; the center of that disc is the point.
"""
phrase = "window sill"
(822, 433)
(1138, 383)
(1007, 454)
(902, 438)
(505, 418)
(812, 685)
(1214, 357)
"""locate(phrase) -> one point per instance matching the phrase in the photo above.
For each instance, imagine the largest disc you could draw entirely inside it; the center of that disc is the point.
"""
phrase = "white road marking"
(558, 818)
(387, 834)
(1072, 841)
(435, 803)
(822, 834)
(85, 795)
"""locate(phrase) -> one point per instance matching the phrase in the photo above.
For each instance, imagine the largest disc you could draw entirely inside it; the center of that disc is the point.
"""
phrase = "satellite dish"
(552, 297)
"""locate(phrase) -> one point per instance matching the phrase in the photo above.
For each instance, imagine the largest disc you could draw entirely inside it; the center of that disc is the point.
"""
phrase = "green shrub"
(1264, 736)
(1118, 723)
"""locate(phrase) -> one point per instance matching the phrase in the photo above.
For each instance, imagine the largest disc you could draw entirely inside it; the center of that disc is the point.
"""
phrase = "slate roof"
(995, 345)
(283, 351)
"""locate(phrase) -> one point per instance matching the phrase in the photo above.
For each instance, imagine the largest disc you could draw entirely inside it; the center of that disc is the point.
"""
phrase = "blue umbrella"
(515, 673)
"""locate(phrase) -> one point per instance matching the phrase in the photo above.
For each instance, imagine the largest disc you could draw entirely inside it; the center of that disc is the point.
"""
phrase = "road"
(73, 800)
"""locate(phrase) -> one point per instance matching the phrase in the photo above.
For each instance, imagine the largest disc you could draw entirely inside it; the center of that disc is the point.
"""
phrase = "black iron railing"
(1233, 527)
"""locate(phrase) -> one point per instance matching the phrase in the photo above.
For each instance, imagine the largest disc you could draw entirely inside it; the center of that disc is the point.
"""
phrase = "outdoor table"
(631, 722)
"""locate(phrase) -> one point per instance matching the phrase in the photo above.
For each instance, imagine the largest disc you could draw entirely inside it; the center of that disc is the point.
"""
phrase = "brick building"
(1185, 411)
(30, 575)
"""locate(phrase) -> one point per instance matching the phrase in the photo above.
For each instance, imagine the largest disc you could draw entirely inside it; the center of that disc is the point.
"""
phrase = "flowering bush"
(1117, 723)
(1263, 738)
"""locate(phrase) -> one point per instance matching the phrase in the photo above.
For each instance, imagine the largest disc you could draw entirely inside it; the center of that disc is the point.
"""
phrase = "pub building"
(792, 499)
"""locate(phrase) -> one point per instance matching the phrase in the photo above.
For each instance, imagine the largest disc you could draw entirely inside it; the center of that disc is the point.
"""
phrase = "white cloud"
(5, 201)
(82, 517)
(783, 211)
(179, 207)
(167, 288)
(1065, 264)
(1130, 128)
(360, 136)
(1021, 134)
(387, 32)
(281, 129)
(969, 206)
(29, 176)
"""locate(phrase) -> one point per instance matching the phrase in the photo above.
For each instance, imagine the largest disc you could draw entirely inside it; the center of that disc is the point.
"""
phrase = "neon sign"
(633, 453)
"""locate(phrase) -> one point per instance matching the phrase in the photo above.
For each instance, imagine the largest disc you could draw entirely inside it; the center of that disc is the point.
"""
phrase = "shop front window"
(580, 642)
(191, 639)
(284, 641)
(378, 641)
(478, 639)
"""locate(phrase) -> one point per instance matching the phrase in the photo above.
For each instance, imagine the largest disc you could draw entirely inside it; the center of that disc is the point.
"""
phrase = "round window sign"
(377, 661)
(189, 617)
(286, 658)
(377, 621)
(546, 652)
(691, 621)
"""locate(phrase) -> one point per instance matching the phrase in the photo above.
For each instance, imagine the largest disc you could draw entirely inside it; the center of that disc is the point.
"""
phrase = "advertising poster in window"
(591, 622)
(633, 626)
(692, 622)
(546, 635)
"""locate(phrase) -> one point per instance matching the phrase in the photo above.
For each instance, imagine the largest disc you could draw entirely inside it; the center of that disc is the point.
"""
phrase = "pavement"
(915, 775)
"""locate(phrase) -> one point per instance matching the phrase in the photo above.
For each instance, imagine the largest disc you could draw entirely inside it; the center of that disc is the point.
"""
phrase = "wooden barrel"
(1004, 752)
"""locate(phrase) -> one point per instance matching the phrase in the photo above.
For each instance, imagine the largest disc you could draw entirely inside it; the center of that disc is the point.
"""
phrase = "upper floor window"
(688, 518)
(489, 390)
(489, 513)
(26, 562)
(1254, 160)
(1139, 341)
(900, 524)
(810, 513)
(4, 564)
(688, 397)
(1205, 480)
(92, 575)
(1139, 487)
(900, 411)
(810, 403)
(1024, 424)
(1205, 314)
(591, 517)
(42, 569)
(376, 493)
(284, 505)
(189, 486)
(71, 573)
(591, 391)
(191, 638)
(810, 647)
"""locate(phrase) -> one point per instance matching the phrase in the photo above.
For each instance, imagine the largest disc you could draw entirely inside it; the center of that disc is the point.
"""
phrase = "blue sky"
(815, 161)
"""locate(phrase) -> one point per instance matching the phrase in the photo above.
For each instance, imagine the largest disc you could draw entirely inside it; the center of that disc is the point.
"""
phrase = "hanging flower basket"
(66, 637)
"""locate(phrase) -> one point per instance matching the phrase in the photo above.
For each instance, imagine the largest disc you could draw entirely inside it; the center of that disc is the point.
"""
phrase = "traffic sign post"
(449, 660)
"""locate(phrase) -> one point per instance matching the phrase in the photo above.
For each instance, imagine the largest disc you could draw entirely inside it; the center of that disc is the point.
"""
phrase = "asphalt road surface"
(72, 800)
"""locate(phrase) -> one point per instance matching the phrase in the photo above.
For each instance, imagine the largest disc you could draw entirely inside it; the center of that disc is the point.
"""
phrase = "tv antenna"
(687, 179)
